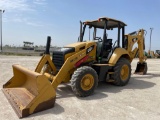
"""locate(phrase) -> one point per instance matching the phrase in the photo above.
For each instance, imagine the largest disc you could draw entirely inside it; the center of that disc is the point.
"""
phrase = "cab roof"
(111, 23)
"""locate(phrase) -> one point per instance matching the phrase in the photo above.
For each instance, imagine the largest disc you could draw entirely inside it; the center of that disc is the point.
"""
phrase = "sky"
(34, 20)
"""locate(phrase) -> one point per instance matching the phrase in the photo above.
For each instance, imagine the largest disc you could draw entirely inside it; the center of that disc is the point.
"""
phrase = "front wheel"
(84, 81)
(122, 72)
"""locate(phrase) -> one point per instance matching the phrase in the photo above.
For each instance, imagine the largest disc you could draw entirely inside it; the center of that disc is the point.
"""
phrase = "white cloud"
(20, 8)
(39, 2)
(35, 24)
(21, 5)
(16, 5)
(27, 21)
(20, 20)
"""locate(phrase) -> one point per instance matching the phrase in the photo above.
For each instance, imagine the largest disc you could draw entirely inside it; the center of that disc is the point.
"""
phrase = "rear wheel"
(84, 81)
(122, 72)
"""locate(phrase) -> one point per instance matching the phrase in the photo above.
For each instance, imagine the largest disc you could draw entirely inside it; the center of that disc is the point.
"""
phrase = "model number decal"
(89, 49)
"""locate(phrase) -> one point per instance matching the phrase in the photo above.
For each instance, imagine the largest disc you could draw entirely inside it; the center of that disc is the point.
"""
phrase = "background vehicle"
(157, 53)
(83, 63)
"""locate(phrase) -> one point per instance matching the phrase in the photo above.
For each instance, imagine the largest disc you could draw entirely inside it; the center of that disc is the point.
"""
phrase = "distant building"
(43, 48)
(28, 45)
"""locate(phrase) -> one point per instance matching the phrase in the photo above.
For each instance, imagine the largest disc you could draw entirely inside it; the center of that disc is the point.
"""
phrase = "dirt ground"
(139, 100)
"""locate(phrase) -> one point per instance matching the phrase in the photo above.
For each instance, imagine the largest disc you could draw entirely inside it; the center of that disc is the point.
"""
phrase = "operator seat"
(107, 48)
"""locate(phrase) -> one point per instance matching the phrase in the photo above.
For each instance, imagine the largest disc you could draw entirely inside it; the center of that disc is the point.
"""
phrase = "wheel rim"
(87, 82)
(124, 72)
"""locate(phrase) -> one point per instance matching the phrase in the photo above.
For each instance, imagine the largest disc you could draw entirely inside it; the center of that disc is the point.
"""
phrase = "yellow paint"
(77, 45)
(43, 61)
(117, 54)
(67, 66)
(151, 53)
(31, 84)
(139, 39)
(87, 82)
(124, 72)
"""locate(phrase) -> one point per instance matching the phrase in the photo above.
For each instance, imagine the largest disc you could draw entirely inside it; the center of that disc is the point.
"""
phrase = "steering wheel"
(98, 38)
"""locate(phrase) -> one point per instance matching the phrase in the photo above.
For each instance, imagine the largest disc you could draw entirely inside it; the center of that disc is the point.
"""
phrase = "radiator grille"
(58, 59)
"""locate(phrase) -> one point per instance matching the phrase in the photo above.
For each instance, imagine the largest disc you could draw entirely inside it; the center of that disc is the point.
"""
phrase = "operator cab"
(99, 29)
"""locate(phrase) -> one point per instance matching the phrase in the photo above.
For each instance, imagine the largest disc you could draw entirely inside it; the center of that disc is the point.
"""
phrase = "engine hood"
(81, 45)
(78, 46)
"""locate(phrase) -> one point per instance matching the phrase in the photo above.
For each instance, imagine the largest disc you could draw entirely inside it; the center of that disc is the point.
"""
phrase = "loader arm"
(45, 60)
(67, 67)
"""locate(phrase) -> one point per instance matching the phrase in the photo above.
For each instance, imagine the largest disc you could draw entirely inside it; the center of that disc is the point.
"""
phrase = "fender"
(119, 52)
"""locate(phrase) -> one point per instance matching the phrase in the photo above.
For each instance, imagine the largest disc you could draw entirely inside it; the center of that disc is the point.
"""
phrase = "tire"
(122, 72)
(84, 81)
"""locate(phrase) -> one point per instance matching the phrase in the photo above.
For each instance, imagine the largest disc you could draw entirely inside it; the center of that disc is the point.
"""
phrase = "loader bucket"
(28, 92)
(141, 68)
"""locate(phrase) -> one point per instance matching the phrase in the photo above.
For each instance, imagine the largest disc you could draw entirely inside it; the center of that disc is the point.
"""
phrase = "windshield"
(91, 33)
(96, 34)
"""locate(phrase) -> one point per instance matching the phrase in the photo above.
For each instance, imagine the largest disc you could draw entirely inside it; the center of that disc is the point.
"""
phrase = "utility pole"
(150, 39)
(1, 12)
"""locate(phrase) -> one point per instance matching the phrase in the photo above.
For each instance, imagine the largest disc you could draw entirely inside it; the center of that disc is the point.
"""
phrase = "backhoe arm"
(141, 46)
(131, 39)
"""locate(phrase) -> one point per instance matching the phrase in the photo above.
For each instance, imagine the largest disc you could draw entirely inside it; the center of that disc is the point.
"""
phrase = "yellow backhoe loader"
(83, 63)
(157, 53)
(151, 54)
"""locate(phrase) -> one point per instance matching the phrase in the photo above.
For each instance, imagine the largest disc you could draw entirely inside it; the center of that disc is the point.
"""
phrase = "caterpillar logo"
(89, 49)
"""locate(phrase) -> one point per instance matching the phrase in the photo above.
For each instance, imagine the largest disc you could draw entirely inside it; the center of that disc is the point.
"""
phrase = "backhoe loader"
(151, 54)
(83, 63)
(157, 53)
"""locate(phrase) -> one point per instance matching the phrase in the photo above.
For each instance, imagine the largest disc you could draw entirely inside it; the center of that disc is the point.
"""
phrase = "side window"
(99, 33)
(88, 35)
(113, 34)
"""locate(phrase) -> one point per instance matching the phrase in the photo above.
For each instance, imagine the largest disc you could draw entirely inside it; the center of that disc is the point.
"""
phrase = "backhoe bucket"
(29, 92)
(141, 68)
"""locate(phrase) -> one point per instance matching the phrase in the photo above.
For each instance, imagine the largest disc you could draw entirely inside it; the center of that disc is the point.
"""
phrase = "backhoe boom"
(131, 39)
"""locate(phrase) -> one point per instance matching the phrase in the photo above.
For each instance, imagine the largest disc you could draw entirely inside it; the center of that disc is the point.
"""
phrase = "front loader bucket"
(29, 92)
(141, 68)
